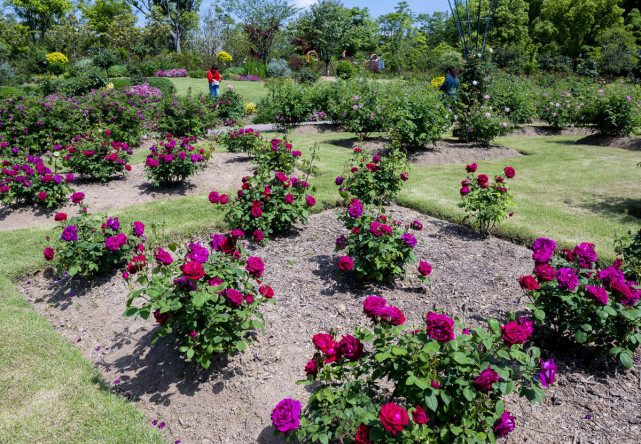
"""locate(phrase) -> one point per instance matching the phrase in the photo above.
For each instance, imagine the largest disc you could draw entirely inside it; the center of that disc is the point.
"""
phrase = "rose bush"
(482, 124)
(592, 304)
(375, 247)
(97, 156)
(244, 140)
(438, 383)
(229, 106)
(373, 180)
(173, 161)
(89, 244)
(208, 297)
(267, 204)
(278, 155)
(486, 202)
(32, 182)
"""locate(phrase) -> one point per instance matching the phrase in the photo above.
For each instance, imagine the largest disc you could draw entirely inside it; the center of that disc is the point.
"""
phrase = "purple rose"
(139, 228)
(567, 279)
(345, 263)
(350, 348)
(585, 253)
(235, 297)
(371, 304)
(504, 425)
(597, 293)
(485, 380)
(255, 266)
(548, 372)
(113, 223)
(611, 274)
(544, 244)
(409, 239)
(285, 415)
(356, 209)
(163, 257)
(185, 284)
(198, 253)
(341, 242)
(439, 327)
(339, 180)
(70, 233)
(542, 256)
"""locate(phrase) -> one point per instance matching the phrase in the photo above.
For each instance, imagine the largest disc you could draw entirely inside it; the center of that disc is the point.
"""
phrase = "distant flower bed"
(144, 90)
(171, 73)
(250, 78)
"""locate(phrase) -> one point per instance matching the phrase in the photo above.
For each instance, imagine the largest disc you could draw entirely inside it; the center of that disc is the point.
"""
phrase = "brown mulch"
(232, 401)
(628, 143)
(224, 171)
(537, 131)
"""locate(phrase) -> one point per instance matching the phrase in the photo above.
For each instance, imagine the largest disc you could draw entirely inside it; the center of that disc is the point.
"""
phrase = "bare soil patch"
(445, 151)
(232, 401)
(628, 143)
(223, 172)
(317, 128)
(537, 131)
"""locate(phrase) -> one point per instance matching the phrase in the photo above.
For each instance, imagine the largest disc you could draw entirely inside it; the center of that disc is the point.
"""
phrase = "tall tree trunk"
(327, 62)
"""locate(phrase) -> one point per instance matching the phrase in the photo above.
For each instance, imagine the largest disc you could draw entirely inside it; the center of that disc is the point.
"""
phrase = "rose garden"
(350, 259)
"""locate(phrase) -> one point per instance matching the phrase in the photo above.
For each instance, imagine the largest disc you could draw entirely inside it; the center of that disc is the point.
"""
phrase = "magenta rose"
(345, 263)
(326, 344)
(214, 197)
(504, 425)
(266, 291)
(567, 279)
(439, 327)
(599, 294)
(528, 283)
(545, 272)
(485, 380)
(311, 201)
(464, 191)
(509, 172)
(393, 417)
(482, 180)
(517, 333)
(255, 266)
(256, 211)
(350, 348)
(548, 372)
(312, 368)
(235, 297)
(362, 435)
(372, 304)
(419, 416)
(258, 236)
(542, 256)
(192, 270)
(543, 243)
(285, 415)
(289, 199)
(163, 257)
(471, 168)
(48, 253)
(424, 268)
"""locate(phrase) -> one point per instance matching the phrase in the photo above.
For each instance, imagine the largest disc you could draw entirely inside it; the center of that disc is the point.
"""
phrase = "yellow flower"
(437, 81)
(250, 108)
(110, 86)
(57, 57)
(223, 57)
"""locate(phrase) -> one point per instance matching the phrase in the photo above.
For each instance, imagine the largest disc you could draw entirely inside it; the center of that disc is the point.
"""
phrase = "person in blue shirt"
(450, 85)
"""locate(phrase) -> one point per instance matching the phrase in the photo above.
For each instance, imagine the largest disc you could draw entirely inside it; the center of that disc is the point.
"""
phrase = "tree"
(510, 25)
(618, 48)
(361, 36)
(330, 24)
(100, 14)
(436, 28)
(70, 36)
(215, 26)
(263, 20)
(39, 15)
(398, 35)
(123, 33)
(156, 33)
(633, 24)
(180, 15)
(14, 38)
(571, 24)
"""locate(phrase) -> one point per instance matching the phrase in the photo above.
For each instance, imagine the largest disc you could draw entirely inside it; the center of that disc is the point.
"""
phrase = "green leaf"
(131, 312)
(539, 315)
(587, 328)
(580, 336)
(626, 360)
(431, 402)
(190, 353)
(469, 393)
(494, 326)
(240, 346)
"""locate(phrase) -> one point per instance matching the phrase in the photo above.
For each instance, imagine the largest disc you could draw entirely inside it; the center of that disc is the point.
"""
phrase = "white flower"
(475, 82)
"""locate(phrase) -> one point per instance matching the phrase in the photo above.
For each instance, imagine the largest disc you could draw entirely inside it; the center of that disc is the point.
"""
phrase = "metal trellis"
(467, 24)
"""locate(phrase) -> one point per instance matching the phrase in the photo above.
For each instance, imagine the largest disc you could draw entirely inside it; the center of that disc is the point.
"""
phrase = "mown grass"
(252, 92)
(50, 393)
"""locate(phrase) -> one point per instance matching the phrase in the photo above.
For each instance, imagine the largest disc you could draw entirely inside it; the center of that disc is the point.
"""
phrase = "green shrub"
(97, 156)
(119, 71)
(238, 70)
(306, 76)
(186, 115)
(346, 70)
(480, 124)
(173, 161)
(244, 140)
(278, 68)
(198, 74)
(7, 92)
(105, 60)
(614, 111)
(515, 96)
(163, 84)
(230, 106)
(121, 83)
(255, 68)
(285, 104)
(75, 86)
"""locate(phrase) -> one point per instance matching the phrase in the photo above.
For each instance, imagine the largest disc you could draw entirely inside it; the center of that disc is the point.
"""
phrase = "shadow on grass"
(627, 207)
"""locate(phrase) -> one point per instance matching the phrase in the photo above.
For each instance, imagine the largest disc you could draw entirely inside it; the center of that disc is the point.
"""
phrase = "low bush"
(90, 245)
(120, 83)
(486, 203)
(230, 106)
(346, 70)
(375, 248)
(615, 112)
(97, 155)
(482, 124)
(244, 140)
(361, 107)
(238, 70)
(27, 179)
(163, 84)
(515, 96)
(278, 68)
(285, 104)
(207, 297)
(8, 92)
(171, 73)
(306, 76)
(198, 74)
(583, 302)
(373, 180)
(187, 115)
(448, 382)
(267, 204)
(119, 71)
(629, 247)
(255, 68)
(173, 160)
(278, 156)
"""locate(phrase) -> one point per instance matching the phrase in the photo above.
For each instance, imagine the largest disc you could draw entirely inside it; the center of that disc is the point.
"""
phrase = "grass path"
(252, 92)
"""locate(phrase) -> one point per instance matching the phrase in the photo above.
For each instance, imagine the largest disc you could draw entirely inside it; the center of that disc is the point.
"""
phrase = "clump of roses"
(376, 247)
(89, 244)
(266, 204)
(207, 296)
(438, 383)
(32, 182)
(278, 155)
(244, 140)
(97, 156)
(373, 180)
(174, 160)
(592, 304)
(486, 202)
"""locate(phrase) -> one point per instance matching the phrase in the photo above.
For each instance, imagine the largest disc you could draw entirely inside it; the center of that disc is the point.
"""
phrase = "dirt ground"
(628, 143)
(543, 130)
(224, 171)
(232, 401)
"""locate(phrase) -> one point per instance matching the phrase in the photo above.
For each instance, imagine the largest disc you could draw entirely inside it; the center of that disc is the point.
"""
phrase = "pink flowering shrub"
(373, 180)
(187, 115)
(393, 384)
(482, 124)
(278, 155)
(244, 140)
(32, 182)
(361, 109)
(267, 204)
(486, 202)
(97, 156)
(229, 106)
(88, 244)
(208, 296)
(173, 160)
(144, 90)
(561, 109)
(592, 304)
(171, 73)
(613, 111)
(375, 247)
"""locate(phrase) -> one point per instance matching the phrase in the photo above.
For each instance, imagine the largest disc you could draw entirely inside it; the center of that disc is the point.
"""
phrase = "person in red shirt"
(214, 80)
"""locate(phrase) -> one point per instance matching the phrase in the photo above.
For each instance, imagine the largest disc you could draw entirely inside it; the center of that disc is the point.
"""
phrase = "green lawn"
(50, 393)
(252, 92)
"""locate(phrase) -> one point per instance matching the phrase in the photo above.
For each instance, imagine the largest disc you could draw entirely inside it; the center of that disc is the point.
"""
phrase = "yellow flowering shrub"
(437, 81)
(250, 108)
(57, 57)
(223, 57)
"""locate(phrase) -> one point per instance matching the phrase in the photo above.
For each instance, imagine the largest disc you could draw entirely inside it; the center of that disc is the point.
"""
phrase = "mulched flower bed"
(592, 401)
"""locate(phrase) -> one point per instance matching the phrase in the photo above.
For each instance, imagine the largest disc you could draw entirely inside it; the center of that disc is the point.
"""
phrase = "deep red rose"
(528, 283)
(393, 417)
(193, 270)
(266, 291)
(439, 327)
(516, 333)
(362, 435)
(419, 416)
(48, 253)
(509, 172)
(545, 272)
(60, 217)
(482, 179)
(255, 266)
(350, 348)
(312, 368)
